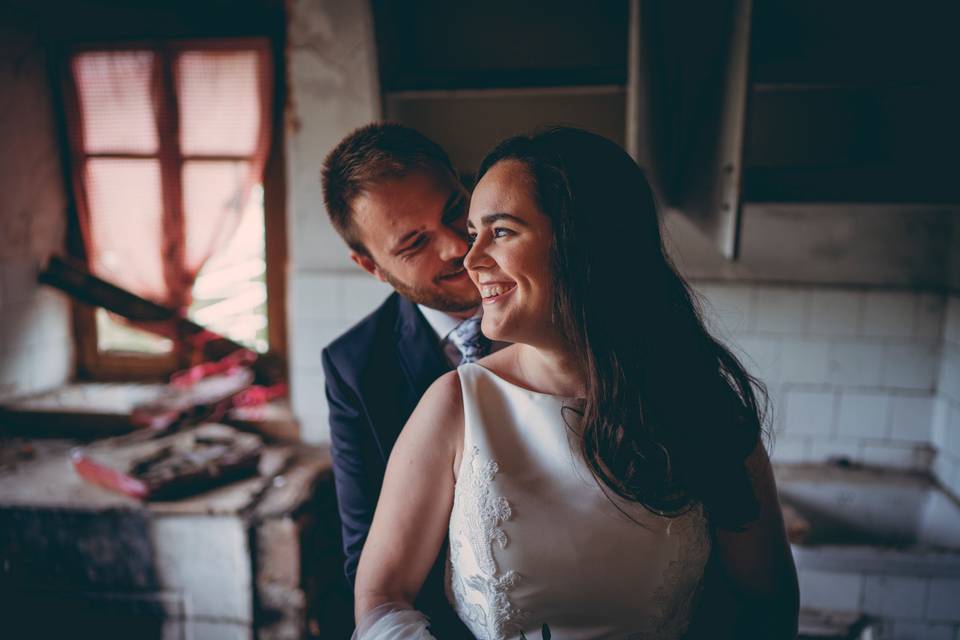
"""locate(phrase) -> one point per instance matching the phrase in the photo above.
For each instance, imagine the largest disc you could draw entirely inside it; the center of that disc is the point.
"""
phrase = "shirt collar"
(441, 322)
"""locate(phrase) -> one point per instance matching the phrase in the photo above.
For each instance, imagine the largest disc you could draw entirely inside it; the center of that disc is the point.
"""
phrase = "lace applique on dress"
(676, 609)
(480, 513)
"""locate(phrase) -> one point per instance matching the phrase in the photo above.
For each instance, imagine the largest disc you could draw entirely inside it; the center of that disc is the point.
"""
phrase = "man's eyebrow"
(399, 244)
(455, 198)
(490, 218)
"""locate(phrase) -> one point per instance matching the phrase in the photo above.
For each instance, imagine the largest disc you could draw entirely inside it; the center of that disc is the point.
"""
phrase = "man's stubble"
(430, 297)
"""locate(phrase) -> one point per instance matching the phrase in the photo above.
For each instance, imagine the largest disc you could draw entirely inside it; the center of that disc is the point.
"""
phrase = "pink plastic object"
(112, 479)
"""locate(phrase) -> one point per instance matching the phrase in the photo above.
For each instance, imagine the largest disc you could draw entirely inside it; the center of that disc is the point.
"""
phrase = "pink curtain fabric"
(167, 143)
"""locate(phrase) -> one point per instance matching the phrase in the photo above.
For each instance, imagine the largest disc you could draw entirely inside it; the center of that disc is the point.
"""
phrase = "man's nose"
(453, 244)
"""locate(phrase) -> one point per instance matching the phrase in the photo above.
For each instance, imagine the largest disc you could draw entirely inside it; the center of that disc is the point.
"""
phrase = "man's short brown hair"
(368, 156)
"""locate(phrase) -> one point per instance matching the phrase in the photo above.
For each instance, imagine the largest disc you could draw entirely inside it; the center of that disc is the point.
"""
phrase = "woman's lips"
(494, 292)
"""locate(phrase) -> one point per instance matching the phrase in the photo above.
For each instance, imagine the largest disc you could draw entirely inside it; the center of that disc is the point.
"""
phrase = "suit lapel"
(420, 360)
(421, 357)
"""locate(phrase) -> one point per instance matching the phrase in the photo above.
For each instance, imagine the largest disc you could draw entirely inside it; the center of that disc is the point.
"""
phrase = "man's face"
(414, 228)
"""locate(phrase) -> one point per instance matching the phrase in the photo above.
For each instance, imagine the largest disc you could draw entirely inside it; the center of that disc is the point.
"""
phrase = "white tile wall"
(863, 414)
(831, 591)
(906, 607)
(323, 304)
(856, 363)
(895, 596)
(943, 600)
(854, 372)
(810, 412)
(779, 310)
(808, 361)
(835, 312)
(946, 420)
(915, 630)
(911, 365)
(929, 319)
(911, 418)
(888, 314)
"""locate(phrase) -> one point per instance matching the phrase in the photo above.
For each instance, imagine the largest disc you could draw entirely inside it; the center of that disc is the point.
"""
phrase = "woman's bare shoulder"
(444, 394)
(439, 415)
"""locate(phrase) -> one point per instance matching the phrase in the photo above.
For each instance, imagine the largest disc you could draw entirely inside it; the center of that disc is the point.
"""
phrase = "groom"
(394, 198)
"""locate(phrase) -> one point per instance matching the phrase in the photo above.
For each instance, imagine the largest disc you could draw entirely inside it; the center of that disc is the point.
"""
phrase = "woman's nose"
(476, 257)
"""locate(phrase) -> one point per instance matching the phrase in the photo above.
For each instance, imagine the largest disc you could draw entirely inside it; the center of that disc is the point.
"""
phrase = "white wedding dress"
(534, 539)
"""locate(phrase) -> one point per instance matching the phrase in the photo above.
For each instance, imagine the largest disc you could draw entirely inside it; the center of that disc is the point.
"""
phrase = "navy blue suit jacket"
(375, 375)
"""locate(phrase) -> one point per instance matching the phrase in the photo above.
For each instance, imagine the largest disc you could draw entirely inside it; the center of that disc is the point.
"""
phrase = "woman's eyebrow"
(490, 218)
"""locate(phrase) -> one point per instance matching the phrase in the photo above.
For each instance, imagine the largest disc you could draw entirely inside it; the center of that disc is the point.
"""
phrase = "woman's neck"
(554, 368)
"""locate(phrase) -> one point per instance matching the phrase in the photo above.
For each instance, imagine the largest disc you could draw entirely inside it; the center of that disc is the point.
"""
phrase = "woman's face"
(509, 261)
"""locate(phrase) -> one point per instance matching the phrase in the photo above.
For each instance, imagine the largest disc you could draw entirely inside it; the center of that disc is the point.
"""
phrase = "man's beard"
(430, 297)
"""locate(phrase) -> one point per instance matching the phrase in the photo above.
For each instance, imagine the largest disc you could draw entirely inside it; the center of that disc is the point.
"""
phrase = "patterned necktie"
(467, 338)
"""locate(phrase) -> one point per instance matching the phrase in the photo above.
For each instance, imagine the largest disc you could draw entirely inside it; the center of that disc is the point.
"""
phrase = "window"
(170, 145)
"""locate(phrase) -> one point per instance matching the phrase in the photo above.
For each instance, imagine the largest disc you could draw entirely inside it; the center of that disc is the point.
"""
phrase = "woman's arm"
(750, 585)
(413, 512)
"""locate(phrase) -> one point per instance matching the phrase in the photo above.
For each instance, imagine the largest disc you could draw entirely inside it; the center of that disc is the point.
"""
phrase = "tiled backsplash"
(913, 607)
(851, 372)
(322, 305)
(946, 421)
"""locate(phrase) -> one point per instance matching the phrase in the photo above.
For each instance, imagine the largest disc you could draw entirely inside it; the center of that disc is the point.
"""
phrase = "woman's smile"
(495, 292)
(510, 256)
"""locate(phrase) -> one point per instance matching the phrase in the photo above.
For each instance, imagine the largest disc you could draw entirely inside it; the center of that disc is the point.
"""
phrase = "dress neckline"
(531, 392)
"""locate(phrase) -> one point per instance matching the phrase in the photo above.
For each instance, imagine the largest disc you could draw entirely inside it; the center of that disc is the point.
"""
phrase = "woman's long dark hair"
(670, 413)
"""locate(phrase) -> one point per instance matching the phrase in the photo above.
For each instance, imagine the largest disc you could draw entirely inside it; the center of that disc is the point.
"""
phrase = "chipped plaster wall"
(36, 350)
(333, 88)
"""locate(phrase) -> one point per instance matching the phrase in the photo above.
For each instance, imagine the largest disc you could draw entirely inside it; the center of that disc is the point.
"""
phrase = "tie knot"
(467, 338)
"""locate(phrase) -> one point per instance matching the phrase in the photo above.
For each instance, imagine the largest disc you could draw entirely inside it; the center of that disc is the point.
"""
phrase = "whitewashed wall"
(327, 304)
(36, 350)
(333, 89)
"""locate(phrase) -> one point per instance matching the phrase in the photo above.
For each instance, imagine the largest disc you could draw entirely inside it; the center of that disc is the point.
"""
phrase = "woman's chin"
(493, 330)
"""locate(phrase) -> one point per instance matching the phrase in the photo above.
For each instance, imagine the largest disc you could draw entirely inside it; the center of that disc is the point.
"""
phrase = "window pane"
(125, 230)
(116, 106)
(219, 102)
(230, 294)
(113, 335)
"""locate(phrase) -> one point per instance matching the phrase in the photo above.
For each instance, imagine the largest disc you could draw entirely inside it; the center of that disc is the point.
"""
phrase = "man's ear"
(368, 264)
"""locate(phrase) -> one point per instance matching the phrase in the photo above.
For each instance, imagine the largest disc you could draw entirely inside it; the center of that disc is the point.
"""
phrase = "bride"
(586, 474)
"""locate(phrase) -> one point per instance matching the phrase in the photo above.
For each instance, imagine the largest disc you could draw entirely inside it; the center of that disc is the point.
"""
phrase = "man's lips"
(454, 275)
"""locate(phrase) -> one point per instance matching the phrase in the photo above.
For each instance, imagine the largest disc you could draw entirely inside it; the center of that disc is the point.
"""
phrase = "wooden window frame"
(93, 364)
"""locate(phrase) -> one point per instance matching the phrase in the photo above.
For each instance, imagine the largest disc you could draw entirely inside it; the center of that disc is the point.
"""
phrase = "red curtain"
(167, 143)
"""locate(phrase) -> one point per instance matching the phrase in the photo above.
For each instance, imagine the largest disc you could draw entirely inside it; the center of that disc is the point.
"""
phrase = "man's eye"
(416, 244)
(471, 238)
(501, 232)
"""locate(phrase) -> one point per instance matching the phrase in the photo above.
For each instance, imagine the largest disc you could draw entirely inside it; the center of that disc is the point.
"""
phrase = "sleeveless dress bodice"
(535, 539)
